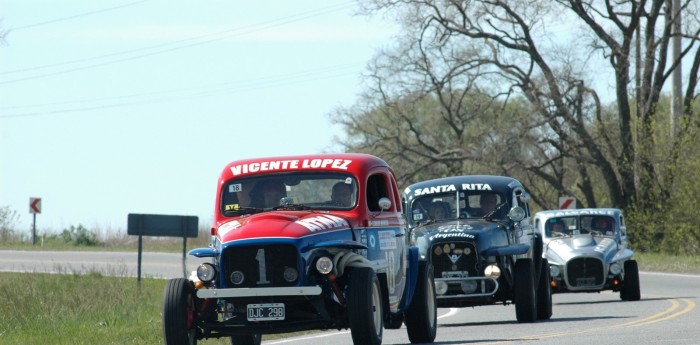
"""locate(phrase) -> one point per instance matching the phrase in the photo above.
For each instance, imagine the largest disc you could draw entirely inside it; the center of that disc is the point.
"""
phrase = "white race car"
(587, 251)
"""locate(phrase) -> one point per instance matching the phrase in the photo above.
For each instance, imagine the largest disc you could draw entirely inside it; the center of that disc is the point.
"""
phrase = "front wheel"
(524, 294)
(179, 313)
(421, 316)
(630, 286)
(364, 302)
(544, 292)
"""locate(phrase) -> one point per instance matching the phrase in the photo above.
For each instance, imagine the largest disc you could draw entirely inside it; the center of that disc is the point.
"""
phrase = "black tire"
(544, 292)
(537, 255)
(421, 316)
(364, 301)
(630, 286)
(179, 313)
(524, 294)
(250, 339)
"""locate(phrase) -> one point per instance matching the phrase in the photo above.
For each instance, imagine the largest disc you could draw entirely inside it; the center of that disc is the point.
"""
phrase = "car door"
(386, 233)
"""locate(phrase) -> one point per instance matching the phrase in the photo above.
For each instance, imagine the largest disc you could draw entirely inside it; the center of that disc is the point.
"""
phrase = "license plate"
(455, 274)
(585, 281)
(265, 311)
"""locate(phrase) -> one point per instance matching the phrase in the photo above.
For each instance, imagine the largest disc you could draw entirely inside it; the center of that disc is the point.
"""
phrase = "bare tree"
(556, 55)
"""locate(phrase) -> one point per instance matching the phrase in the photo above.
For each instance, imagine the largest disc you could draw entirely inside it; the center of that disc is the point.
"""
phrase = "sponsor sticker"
(387, 240)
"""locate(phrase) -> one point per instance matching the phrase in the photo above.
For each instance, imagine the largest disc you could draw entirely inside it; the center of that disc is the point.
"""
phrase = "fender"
(519, 249)
(204, 252)
(411, 278)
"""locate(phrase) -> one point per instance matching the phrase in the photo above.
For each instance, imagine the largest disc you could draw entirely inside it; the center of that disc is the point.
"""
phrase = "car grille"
(583, 272)
(450, 259)
(262, 266)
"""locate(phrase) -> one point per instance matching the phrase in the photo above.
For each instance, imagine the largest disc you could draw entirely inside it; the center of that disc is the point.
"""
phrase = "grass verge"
(656, 262)
(71, 309)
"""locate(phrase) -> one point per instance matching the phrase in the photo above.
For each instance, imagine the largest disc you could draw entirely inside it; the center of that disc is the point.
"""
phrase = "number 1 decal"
(261, 266)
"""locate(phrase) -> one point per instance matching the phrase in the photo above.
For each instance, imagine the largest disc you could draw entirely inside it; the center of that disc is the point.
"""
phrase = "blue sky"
(116, 107)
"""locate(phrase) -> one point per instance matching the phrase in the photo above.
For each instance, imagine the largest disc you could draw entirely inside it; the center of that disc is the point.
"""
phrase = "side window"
(623, 228)
(398, 201)
(376, 189)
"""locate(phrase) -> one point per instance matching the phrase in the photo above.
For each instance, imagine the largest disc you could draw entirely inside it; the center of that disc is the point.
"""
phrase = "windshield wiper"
(489, 216)
(242, 210)
(292, 207)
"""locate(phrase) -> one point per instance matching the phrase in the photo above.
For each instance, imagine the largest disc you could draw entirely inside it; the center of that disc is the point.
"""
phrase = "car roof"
(499, 184)
(544, 215)
(354, 163)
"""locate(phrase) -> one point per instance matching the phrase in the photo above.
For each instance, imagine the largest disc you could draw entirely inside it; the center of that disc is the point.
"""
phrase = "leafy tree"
(508, 45)
(519, 88)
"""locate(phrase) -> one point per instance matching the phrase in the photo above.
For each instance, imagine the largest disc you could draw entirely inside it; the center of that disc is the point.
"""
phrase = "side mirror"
(523, 195)
(516, 214)
(384, 203)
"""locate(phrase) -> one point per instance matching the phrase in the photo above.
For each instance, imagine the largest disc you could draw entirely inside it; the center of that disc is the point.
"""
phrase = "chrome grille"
(450, 258)
(262, 266)
(583, 272)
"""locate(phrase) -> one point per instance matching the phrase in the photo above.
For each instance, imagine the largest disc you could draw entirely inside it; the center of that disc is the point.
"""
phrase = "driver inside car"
(439, 210)
(268, 194)
(556, 227)
(341, 194)
(602, 224)
(488, 203)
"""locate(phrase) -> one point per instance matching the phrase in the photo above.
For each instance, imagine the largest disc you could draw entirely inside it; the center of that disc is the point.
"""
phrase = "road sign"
(34, 205)
(567, 202)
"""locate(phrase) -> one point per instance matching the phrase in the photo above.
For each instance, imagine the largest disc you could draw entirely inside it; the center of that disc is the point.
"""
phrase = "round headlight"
(554, 271)
(468, 286)
(615, 268)
(440, 287)
(324, 265)
(492, 271)
(206, 272)
(237, 277)
(290, 274)
(516, 214)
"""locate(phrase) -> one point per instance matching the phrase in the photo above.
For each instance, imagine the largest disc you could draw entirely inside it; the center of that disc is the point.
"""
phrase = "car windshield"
(455, 205)
(579, 225)
(297, 190)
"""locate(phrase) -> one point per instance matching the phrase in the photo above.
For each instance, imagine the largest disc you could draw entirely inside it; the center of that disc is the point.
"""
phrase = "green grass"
(95, 309)
(74, 309)
(668, 263)
(87, 309)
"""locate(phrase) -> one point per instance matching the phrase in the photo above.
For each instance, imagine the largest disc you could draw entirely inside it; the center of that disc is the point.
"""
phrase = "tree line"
(571, 97)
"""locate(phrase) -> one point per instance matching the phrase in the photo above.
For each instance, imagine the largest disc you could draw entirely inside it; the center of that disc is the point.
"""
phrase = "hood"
(282, 224)
(483, 233)
(561, 250)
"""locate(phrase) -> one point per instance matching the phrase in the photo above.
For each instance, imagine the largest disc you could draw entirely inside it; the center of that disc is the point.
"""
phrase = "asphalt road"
(667, 313)
(155, 265)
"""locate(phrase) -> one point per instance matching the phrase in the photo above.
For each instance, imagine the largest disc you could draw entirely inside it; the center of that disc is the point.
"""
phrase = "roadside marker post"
(567, 202)
(34, 208)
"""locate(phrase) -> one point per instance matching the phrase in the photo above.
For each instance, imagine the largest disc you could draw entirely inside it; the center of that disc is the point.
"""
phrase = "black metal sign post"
(162, 226)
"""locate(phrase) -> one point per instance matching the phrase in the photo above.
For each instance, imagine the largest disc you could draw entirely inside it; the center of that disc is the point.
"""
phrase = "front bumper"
(260, 292)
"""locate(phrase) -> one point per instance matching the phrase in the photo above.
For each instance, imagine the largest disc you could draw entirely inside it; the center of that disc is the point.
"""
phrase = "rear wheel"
(421, 316)
(544, 292)
(524, 295)
(630, 287)
(250, 339)
(179, 313)
(365, 307)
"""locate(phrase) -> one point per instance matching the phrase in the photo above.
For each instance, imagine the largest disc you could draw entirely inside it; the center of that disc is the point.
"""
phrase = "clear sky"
(122, 106)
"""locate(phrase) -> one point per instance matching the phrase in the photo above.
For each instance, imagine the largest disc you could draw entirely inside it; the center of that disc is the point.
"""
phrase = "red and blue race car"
(303, 243)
